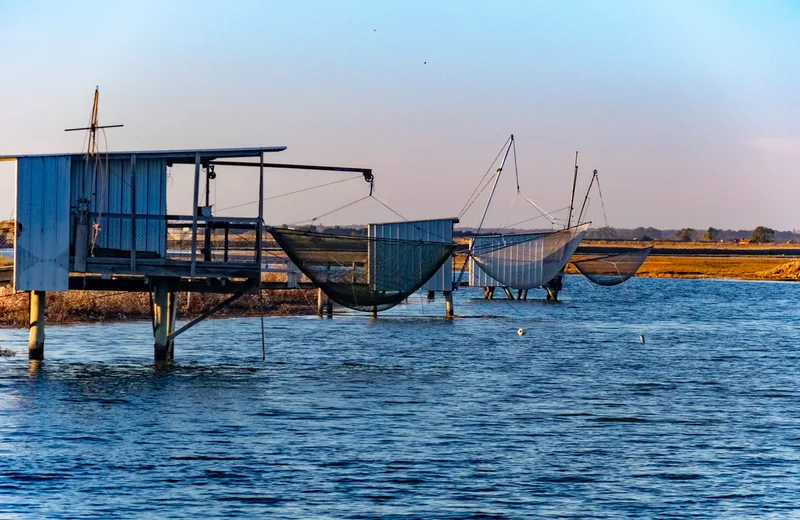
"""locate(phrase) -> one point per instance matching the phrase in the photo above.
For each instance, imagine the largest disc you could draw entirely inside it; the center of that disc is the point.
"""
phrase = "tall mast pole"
(92, 145)
(586, 198)
(572, 198)
(496, 179)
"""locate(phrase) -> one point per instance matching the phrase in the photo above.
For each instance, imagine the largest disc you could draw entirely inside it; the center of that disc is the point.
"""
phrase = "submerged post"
(320, 302)
(448, 304)
(36, 326)
(164, 306)
(553, 287)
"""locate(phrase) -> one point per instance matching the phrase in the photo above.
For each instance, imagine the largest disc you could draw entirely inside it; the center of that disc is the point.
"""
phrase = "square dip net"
(363, 273)
(613, 269)
(527, 261)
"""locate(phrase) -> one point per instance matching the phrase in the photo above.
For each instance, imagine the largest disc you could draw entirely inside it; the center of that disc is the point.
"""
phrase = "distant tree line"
(759, 235)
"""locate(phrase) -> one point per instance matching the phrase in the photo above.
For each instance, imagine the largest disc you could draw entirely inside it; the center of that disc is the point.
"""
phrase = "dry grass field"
(99, 306)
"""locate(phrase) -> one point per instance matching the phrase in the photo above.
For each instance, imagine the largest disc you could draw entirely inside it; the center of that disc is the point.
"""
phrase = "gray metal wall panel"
(41, 251)
(111, 191)
(438, 230)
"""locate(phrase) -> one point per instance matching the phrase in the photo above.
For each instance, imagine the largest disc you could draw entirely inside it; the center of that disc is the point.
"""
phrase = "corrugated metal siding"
(113, 192)
(439, 230)
(477, 276)
(41, 252)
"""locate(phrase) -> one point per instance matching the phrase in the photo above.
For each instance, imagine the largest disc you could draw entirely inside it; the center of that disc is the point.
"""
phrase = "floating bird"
(521, 332)
(641, 339)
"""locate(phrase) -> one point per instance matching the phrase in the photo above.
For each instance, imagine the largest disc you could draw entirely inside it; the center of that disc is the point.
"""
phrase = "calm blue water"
(412, 416)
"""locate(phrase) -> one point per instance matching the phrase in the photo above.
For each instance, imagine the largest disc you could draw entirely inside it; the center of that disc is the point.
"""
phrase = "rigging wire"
(602, 204)
(474, 195)
(390, 209)
(539, 216)
(331, 211)
(291, 193)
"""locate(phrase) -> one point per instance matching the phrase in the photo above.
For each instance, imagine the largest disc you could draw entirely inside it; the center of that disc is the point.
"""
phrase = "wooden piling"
(448, 304)
(320, 302)
(553, 287)
(329, 307)
(508, 292)
(164, 312)
(36, 326)
(431, 296)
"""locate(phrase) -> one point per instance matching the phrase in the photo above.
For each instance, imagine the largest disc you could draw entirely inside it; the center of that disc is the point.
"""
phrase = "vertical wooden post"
(431, 296)
(194, 212)
(320, 302)
(553, 287)
(490, 293)
(163, 320)
(172, 314)
(36, 326)
(508, 292)
(329, 308)
(448, 304)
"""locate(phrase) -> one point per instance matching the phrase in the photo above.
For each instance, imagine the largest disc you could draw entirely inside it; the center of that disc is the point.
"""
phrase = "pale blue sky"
(690, 110)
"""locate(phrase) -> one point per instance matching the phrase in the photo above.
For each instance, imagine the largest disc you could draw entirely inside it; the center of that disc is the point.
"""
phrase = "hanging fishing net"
(613, 269)
(530, 262)
(363, 273)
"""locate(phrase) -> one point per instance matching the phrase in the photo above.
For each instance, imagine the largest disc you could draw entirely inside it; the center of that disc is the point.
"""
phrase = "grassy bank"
(739, 268)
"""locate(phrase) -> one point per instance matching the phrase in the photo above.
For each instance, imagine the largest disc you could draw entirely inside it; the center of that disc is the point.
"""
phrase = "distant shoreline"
(693, 261)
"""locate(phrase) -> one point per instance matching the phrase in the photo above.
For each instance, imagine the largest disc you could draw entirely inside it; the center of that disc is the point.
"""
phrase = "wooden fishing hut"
(100, 222)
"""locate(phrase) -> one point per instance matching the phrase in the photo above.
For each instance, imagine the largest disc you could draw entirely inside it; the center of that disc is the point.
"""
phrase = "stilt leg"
(36, 327)
(431, 296)
(161, 321)
(172, 314)
(509, 294)
(448, 304)
(320, 302)
(329, 307)
(553, 287)
(490, 293)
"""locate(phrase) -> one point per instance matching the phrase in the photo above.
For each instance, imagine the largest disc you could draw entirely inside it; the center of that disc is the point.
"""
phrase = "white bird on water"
(641, 339)
(521, 332)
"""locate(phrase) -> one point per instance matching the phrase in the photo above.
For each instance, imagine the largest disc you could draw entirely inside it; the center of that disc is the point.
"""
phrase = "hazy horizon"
(690, 111)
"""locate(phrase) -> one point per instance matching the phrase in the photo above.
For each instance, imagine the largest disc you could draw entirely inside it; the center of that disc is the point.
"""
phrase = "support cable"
(475, 194)
(290, 193)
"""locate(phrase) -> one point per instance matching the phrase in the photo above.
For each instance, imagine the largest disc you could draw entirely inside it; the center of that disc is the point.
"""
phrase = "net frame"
(525, 262)
(363, 273)
(605, 269)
